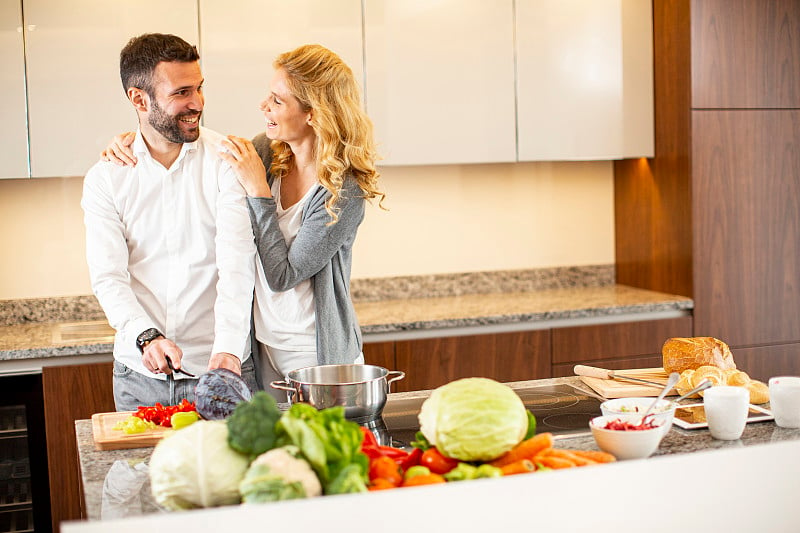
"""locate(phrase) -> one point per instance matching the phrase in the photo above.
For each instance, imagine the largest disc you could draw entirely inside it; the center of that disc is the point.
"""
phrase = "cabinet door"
(75, 96)
(429, 363)
(241, 38)
(746, 200)
(440, 80)
(744, 54)
(13, 117)
(584, 79)
(71, 393)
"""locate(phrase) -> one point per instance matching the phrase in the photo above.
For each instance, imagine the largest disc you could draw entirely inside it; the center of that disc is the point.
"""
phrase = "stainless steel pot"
(360, 389)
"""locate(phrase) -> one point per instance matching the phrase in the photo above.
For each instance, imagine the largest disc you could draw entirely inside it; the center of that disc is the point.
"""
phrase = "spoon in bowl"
(671, 381)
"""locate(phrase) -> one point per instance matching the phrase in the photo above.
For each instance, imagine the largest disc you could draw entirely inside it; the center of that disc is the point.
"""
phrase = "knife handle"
(593, 372)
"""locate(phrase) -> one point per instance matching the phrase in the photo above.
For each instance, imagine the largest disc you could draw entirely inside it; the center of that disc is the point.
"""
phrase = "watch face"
(147, 336)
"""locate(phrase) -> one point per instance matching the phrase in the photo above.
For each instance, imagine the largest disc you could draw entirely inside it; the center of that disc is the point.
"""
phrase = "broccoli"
(251, 426)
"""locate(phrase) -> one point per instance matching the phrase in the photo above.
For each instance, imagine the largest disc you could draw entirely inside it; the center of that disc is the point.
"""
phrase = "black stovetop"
(559, 409)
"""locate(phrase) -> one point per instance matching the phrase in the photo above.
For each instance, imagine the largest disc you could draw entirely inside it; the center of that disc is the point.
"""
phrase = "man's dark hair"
(139, 58)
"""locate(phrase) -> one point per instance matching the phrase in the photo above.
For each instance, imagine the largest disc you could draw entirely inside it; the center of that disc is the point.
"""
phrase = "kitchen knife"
(602, 373)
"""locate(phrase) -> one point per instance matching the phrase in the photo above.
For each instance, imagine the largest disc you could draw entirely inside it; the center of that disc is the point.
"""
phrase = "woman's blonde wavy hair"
(322, 82)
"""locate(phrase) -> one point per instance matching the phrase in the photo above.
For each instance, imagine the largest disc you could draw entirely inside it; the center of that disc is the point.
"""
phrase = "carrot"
(423, 479)
(595, 455)
(553, 462)
(526, 449)
(570, 455)
(523, 466)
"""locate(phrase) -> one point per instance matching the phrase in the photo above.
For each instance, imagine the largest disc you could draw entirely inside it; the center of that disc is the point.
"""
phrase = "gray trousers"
(132, 389)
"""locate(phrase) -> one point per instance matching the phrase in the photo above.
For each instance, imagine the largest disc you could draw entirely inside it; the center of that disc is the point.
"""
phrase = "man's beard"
(169, 126)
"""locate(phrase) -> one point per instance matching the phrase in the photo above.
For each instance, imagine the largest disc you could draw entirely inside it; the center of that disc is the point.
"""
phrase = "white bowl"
(634, 444)
(664, 409)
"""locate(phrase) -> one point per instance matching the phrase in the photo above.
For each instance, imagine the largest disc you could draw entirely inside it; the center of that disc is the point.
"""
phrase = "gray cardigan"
(319, 252)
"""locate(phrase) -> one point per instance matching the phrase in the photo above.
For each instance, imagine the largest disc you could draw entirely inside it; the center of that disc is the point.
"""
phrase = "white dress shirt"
(172, 249)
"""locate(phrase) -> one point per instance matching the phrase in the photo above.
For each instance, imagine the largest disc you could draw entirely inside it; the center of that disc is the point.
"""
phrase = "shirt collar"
(140, 147)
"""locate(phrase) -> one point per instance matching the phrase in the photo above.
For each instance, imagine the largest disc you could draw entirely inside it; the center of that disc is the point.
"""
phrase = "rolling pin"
(602, 373)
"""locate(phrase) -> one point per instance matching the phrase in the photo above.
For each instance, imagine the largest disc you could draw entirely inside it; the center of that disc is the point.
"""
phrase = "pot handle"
(282, 385)
(399, 375)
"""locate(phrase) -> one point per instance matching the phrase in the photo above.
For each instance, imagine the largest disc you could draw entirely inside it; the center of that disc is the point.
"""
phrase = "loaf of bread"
(685, 353)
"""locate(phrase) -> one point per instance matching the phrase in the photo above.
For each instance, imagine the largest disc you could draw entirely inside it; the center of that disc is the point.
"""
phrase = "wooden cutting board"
(108, 438)
(611, 388)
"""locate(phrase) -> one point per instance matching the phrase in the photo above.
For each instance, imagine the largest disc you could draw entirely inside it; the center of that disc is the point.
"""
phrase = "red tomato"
(436, 462)
(385, 468)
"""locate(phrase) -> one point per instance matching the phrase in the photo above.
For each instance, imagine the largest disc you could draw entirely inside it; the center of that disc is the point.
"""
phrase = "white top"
(286, 320)
(172, 249)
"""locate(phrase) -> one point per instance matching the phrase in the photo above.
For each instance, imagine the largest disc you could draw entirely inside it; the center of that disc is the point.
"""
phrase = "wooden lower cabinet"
(615, 346)
(71, 393)
(380, 354)
(566, 369)
(429, 363)
(617, 341)
(764, 362)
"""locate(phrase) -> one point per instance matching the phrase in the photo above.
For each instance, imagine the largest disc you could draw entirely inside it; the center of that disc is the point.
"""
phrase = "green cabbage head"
(473, 419)
(194, 467)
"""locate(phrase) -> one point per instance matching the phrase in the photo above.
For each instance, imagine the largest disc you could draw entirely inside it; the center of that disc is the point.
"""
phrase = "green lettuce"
(330, 443)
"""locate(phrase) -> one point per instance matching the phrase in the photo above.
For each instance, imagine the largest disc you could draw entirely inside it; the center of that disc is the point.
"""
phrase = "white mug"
(784, 400)
(726, 410)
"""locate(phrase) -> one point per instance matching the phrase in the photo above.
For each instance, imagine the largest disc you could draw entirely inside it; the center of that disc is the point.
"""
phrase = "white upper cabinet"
(440, 80)
(241, 38)
(584, 79)
(75, 96)
(13, 119)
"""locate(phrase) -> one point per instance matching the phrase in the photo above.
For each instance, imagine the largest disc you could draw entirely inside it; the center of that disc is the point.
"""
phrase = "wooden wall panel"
(652, 198)
(745, 53)
(747, 225)
(610, 341)
(429, 363)
(71, 393)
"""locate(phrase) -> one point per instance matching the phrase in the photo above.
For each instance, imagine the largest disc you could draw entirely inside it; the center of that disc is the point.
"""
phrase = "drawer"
(616, 341)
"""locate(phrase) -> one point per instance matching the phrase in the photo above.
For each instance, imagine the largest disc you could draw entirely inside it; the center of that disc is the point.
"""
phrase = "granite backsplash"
(80, 308)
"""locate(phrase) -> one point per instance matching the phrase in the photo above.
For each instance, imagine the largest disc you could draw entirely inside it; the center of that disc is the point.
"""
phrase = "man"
(168, 241)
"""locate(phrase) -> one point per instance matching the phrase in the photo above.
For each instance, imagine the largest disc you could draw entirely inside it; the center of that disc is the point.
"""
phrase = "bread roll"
(759, 392)
(683, 353)
(737, 378)
(684, 384)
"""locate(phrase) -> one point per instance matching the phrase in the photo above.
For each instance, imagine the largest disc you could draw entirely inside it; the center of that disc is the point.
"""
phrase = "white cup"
(726, 410)
(784, 400)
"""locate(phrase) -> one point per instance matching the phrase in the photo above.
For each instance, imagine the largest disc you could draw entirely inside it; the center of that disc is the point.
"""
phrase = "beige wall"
(441, 219)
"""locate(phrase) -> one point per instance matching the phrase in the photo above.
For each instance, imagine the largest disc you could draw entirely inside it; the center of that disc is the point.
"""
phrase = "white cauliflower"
(279, 474)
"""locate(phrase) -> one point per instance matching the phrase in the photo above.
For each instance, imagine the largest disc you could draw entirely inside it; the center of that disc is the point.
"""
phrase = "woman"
(305, 211)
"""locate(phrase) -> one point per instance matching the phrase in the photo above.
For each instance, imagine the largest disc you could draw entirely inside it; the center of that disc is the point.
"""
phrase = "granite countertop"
(382, 314)
(116, 483)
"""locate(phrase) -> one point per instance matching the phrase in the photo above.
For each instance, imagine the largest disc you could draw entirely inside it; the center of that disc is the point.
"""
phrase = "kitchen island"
(755, 479)
(68, 344)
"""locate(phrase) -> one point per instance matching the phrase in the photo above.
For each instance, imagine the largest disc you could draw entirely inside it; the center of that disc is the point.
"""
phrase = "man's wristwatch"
(146, 337)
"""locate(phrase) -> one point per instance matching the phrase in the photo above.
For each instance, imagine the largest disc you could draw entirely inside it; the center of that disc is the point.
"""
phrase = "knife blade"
(603, 373)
